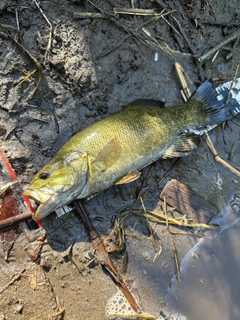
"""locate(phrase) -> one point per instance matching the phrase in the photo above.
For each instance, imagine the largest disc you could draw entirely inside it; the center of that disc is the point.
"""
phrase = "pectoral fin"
(130, 176)
(107, 156)
(184, 144)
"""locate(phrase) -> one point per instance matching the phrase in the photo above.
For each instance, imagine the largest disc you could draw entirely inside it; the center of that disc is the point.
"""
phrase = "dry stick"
(175, 256)
(15, 278)
(14, 220)
(217, 158)
(104, 258)
(169, 171)
(8, 133)
(88, 15)
(186, 94)
(219, 46)
(134, 11)
(149, 227)
(233, 50)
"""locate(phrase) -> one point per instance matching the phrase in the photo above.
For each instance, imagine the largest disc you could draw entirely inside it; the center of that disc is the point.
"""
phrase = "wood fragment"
(185, 201)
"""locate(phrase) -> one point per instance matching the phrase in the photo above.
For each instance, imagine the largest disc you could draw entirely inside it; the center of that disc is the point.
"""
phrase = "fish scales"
(112, 150)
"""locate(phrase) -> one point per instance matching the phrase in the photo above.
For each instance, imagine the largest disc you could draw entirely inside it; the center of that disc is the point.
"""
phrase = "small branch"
(219, 46)
(218, 159)
(186, 94)
(137, 12)
(104, 258)
(16, 219)
(15, 278)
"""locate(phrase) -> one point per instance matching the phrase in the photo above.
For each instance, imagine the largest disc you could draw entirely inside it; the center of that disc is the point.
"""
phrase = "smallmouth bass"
(113, 149)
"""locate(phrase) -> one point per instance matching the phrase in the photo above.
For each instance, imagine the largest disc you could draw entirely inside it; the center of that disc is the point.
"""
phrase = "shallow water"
(210, 272)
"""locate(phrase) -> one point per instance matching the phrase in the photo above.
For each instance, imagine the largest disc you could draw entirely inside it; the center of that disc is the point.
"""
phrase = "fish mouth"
(44, 201)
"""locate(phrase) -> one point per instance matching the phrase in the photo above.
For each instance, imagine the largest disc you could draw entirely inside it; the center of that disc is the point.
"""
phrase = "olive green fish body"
(119, 145)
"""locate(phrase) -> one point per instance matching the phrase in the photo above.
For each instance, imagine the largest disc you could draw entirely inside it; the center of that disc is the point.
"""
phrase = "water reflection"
(210, 273)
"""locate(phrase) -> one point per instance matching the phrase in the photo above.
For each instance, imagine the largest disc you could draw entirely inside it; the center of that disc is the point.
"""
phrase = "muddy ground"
(93, 67)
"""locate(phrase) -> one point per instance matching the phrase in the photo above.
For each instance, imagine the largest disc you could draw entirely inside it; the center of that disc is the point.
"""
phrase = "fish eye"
(44, 175)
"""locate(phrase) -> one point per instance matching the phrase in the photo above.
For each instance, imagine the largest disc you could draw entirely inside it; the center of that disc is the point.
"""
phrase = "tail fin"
(232, 98)
(215, 109)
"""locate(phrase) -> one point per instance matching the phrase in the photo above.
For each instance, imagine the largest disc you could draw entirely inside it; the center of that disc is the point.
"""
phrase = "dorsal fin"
(146, 103)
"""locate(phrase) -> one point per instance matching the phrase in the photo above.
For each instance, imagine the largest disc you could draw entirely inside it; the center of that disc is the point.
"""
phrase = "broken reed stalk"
(165, 219)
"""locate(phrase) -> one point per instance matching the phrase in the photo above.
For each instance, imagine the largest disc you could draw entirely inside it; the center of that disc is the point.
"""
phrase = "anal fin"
(184, 144)
(129, 177)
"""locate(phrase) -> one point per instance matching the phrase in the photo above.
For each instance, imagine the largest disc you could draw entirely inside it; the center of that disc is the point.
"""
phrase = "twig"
(165, 219)
(60, 312)
(169, 171)
(104, 258)
(16, 219)
(88, 15)
(15, 278)
(8, 133)
(38, 65)
(148, 224)
(49, 45)
(152, 20)
(217, 158)
(186, 94)
(154, 44)
(135, 11)
(219, 46)
(175, 256)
